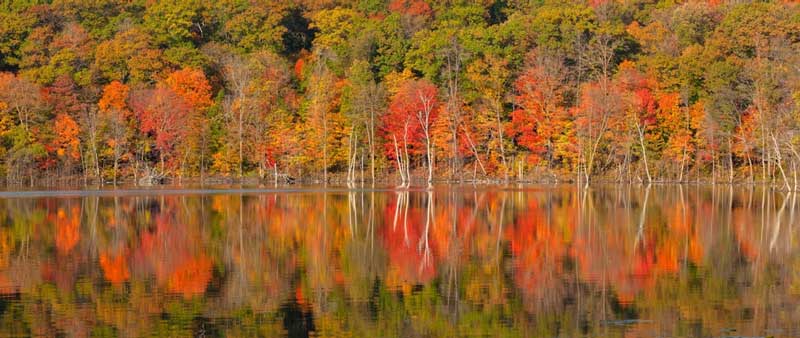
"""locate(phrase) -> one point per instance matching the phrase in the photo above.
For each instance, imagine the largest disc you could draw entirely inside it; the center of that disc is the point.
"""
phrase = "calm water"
(502, 261)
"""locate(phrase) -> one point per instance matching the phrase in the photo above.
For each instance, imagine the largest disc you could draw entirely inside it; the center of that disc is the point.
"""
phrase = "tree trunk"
(502, 144)
(644, 152)
(241, 140)
(713, 167)
(730, 161)
(407, 160)
(780, 164)
(595, 145)
(429, 156)
(474, 151)
(683, 162)
(400, 167)
(794, 165)
(116, 166)
(324, 149)
(96, 159)
(372, 145)
(275, 171)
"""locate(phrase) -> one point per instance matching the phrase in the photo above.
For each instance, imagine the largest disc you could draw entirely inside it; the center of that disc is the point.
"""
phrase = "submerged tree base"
(417, 180)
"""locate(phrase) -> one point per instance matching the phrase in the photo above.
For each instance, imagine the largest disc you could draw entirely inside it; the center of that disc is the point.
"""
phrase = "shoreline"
(253, 186)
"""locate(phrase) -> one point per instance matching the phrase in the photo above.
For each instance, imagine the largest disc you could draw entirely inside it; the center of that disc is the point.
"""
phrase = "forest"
(403, 90)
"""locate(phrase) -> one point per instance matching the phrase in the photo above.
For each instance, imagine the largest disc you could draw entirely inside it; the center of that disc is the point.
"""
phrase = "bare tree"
(321, 95)
(238, 76)
(454, 57)
(368, 99)
(424, 116)
(602, 56)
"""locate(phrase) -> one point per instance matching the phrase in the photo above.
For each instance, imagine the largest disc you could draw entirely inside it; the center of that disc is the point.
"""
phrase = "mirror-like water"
(665, 261)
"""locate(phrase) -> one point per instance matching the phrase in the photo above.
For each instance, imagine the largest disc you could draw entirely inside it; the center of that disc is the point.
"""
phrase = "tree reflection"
(115, 267)
(620, 260)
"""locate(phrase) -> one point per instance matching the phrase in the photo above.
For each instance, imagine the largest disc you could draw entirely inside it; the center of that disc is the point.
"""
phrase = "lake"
(526, 261)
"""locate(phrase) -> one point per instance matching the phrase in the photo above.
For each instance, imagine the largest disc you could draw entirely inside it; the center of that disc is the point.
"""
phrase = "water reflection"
(541, 261)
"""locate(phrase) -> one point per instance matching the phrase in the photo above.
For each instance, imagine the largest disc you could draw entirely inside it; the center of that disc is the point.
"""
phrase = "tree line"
(364, 90)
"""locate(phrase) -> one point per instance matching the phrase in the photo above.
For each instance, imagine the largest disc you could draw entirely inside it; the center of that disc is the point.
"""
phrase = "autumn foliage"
(401, 122)
(471, 90)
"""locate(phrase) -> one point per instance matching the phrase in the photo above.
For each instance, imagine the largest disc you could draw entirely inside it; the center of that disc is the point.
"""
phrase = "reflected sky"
(610, 261)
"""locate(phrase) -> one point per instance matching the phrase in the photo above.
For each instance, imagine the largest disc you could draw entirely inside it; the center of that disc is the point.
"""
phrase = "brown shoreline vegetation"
(340, 180)
(400, 92)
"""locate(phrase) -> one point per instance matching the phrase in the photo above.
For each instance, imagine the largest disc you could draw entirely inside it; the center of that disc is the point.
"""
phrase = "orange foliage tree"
(541, 123)
(163, 115)
(116, 117)
(65, 143)
(192, 86)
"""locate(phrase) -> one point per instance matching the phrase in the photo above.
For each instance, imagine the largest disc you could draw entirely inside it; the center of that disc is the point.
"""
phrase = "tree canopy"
(579, 90)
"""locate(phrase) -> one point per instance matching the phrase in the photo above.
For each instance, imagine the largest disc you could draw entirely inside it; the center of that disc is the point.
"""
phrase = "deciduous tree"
(416, 106)
(116, 116)
(163, 116)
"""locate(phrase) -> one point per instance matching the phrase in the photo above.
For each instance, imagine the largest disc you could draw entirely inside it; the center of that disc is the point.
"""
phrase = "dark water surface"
(535, 261)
